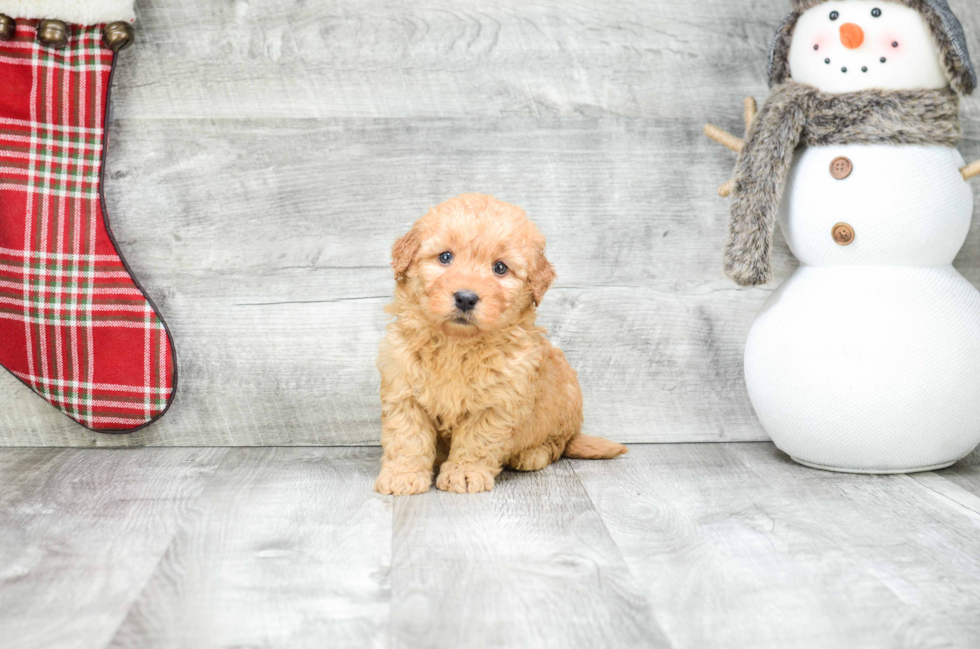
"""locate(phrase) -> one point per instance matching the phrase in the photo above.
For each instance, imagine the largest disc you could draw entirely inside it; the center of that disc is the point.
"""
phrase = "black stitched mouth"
(864, 68)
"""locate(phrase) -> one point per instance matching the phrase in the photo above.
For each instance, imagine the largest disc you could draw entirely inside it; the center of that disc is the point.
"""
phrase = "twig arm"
(724, 138)
(751, 110)
(971, 170)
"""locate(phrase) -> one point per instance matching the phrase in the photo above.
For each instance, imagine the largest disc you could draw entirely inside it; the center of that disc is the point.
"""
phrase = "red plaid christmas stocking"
(74, 324)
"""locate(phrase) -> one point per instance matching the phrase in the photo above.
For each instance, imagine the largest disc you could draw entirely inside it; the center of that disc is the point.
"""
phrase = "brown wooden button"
(841, 168)
(843, 234)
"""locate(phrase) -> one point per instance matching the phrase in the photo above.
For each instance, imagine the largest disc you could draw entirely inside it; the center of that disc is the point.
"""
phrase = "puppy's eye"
(446, 258)
(876, 12)
(834, 15)
(500, 268)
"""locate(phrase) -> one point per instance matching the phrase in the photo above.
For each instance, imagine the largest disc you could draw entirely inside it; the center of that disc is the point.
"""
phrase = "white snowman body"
(867, 358)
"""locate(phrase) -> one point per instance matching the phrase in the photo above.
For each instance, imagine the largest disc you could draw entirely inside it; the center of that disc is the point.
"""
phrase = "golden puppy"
(465, 372)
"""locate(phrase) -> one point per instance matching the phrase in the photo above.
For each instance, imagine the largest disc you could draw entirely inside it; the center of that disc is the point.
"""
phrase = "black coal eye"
(446, 258)
(500, 268)
(834, 15)
(876, 13)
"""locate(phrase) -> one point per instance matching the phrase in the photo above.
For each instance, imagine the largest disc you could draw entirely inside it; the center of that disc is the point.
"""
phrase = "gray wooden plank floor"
(81, 532)
(534, 550)
(689, 545)
(294, 536)
(265, 155)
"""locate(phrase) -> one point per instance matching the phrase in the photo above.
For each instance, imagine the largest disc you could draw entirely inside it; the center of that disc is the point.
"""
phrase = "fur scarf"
(796, 114)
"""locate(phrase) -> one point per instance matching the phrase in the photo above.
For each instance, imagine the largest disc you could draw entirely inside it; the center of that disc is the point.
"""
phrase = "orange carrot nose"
(851, 35)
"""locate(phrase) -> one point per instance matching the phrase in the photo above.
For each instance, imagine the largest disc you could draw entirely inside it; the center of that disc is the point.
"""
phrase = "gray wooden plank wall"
(266, 154)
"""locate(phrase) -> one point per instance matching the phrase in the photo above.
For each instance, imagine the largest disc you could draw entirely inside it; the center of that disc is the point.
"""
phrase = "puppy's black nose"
(466, 300)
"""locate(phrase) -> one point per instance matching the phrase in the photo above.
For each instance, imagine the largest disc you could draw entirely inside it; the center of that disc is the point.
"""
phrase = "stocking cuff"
(78, 12)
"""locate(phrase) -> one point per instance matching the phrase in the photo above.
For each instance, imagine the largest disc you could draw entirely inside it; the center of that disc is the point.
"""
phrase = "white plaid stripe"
(54, 64)
(81, 385)
(39, 126)
(30, 219)
(59, 341)
(93, 226)
(56, 256)
(53, 160)
(44, 206)
(102, 291)
(55, 305)
(147, 360)
(92, 195)
(49, 176)
(33, 140)
(96, 420)
(58, 272)
(74, 322)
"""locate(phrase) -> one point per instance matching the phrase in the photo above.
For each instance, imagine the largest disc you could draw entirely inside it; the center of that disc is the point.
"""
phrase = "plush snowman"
(867, 359)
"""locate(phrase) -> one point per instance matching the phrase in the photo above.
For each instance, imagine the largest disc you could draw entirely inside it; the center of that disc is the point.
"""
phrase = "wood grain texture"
(265, 155)
(81, 531)
(448, 58)
(966, 474)
(286, 548)
(737, 546)
(684, 545)
(529, 564)
(277, 343)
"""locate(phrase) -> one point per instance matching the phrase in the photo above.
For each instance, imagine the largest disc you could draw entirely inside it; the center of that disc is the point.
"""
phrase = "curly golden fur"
(477, 388)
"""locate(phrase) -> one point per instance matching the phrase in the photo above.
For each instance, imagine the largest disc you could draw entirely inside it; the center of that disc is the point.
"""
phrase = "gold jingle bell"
(7, 27)
(53, 33)
(118, 35)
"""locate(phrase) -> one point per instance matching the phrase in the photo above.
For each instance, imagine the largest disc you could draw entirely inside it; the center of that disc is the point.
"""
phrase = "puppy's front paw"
(464, 478)
(392, 483)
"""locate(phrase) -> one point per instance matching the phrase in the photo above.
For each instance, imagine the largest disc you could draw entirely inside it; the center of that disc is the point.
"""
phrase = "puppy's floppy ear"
(541, 277)
(404, 251)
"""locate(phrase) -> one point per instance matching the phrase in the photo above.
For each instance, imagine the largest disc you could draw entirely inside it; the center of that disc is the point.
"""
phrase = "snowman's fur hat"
(943, 24)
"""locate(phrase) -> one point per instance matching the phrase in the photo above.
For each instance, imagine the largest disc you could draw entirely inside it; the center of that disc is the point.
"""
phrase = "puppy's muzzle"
(466, 300)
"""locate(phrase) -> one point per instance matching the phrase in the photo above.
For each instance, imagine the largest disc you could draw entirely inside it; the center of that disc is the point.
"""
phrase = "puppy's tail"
(586, 447)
